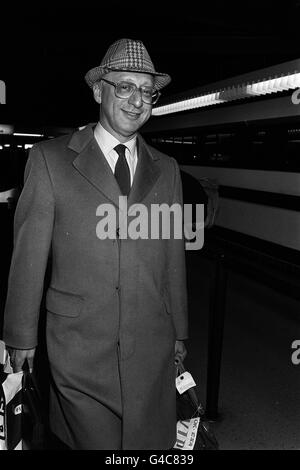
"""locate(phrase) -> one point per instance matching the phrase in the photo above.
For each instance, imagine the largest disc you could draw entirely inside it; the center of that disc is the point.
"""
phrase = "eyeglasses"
(125, 89)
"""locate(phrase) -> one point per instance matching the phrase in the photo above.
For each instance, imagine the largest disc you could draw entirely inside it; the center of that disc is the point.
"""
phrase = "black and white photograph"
(150, 228)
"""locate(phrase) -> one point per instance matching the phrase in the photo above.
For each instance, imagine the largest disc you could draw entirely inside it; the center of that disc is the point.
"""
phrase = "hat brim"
(95, 74)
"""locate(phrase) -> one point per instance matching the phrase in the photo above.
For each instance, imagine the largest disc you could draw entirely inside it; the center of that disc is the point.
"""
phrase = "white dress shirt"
(107, 142)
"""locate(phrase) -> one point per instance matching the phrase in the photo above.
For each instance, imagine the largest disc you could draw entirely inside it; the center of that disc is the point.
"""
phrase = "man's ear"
(97, 91)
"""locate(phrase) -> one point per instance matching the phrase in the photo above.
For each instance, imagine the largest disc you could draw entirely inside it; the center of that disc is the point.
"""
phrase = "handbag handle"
(179, 367)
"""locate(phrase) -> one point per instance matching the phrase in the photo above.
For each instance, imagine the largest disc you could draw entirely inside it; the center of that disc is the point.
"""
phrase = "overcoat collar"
(92, 165)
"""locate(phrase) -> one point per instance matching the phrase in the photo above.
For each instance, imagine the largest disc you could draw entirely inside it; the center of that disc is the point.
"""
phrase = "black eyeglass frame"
(157, 93)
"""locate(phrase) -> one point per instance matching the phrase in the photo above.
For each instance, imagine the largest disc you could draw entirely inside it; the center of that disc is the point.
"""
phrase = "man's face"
(122, 117)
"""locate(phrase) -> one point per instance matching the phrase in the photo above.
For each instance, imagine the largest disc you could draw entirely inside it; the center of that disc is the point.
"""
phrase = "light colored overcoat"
(114, 306)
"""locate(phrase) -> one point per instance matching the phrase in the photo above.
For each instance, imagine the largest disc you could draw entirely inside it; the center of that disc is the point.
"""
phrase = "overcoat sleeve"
(33, 225)
(177, 290)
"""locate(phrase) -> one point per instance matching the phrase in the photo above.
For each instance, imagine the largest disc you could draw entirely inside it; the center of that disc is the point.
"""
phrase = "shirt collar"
(108, 142)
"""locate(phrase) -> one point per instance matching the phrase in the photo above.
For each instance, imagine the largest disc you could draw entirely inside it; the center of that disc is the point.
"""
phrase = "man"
(116, 307)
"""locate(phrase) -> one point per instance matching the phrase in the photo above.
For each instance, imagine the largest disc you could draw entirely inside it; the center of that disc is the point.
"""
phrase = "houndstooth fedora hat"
(127, 55)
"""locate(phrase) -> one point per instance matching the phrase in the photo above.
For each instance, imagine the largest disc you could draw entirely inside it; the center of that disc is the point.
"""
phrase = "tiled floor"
(259, 398)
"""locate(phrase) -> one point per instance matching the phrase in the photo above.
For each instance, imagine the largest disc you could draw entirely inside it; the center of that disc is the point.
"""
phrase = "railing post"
(215, 335)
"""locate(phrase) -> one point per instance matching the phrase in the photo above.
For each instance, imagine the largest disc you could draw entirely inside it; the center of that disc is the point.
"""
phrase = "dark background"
(47, 47)
(45, 50)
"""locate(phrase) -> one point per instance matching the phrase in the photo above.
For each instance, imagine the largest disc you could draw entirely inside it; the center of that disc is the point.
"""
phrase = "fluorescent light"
(6, 145)
(1, 148)
(20, 146)
(20, 134)
(28, 146)
(245, 89)
(192, 103)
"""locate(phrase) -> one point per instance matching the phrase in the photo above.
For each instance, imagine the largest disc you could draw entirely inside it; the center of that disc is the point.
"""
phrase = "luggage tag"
(184, 382)
(187, 433)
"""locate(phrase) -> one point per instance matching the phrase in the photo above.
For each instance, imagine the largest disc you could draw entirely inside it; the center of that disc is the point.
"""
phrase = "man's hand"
(180, 351)
(18, 357)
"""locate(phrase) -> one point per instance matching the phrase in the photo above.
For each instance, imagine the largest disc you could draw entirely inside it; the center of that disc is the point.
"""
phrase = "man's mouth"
(131, 114)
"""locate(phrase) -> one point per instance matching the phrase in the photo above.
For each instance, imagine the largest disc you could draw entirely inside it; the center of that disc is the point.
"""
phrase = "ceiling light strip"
(245, 90)
(20, 134)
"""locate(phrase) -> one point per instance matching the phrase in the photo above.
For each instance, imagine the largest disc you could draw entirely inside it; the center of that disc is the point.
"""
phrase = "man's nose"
(136, 99)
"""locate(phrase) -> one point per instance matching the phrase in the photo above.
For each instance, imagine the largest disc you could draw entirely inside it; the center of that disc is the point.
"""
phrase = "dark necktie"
(122, 172)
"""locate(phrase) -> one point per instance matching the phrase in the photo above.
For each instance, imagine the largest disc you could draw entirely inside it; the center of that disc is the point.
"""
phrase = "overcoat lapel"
(92, 165)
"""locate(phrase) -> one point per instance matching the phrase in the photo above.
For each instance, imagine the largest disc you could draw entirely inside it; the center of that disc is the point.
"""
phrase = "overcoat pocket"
(63, 303)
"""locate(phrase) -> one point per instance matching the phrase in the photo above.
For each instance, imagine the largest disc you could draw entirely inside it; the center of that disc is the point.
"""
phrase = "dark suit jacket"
(102, 292)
